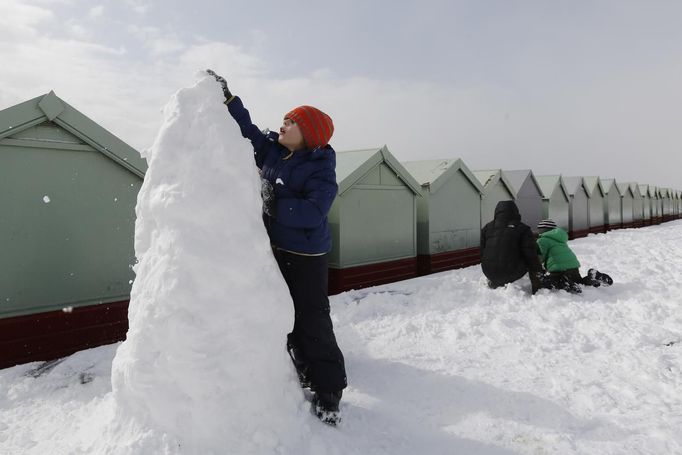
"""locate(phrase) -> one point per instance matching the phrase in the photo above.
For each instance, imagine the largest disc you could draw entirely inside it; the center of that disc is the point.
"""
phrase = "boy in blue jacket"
(298, 174)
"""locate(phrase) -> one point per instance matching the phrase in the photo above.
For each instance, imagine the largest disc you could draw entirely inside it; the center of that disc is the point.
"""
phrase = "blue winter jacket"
(304, 187)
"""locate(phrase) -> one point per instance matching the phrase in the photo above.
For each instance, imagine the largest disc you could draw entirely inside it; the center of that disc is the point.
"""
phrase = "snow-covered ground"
(436, 365)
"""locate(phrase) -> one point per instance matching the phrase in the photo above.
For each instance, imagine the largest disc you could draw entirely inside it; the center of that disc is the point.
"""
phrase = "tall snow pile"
(204, 368)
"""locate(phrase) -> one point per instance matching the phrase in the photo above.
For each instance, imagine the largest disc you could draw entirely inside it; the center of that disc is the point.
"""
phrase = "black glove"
(223, 83)
(536, 281)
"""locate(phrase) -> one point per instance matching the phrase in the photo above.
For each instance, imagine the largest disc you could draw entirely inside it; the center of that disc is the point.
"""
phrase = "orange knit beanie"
(316, 126)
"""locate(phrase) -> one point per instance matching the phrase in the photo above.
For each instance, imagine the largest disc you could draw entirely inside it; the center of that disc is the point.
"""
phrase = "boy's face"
(290, 135)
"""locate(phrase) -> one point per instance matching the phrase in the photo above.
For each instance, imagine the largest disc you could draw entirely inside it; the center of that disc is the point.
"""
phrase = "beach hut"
(666, 203)
(555, 199)
(637, 205)
(662, 196)
(68, 190)
(527, 194)
(671, 198)
(674, 195)
(496, 188)
(627, 205)
(656, 205)
(596, 202)
(578, 208)
(373, 221)
(613, 217)
(448, 215)
(659, 204)
(646, 204)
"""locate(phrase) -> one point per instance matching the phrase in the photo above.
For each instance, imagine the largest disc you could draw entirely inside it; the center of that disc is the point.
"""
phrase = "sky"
(577, 88)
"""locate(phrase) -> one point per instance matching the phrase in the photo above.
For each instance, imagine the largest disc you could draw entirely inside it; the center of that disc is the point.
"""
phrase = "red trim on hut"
(449, 260)
(598, 230)
(55, 334)
(371, 275)
(577, 234)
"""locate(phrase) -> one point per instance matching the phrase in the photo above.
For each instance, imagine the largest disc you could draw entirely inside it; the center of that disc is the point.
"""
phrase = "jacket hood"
(507, 211)
(556, 234)
(326, 152)
(318, 153)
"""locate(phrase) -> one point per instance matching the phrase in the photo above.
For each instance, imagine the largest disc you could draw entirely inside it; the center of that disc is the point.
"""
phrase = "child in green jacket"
(561, 263)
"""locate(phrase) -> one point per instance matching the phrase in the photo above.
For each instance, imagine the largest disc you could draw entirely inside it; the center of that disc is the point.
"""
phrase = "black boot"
(325, 406)
(299, 363)
(591, 279)
(570, 286)
(598, 278)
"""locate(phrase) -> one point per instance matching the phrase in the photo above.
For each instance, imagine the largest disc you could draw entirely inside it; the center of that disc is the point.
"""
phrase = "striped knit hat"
(316, 126)
(546, 224)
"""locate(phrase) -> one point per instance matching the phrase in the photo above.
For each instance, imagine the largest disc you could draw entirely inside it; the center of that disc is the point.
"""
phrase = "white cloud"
(138, 6)
(96, 11)
(77, 31)
(52, 2)
(18, 21)
(157, 42)
(225, 58)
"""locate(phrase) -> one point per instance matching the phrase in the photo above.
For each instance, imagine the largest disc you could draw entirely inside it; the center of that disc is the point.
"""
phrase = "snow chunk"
(204, 367)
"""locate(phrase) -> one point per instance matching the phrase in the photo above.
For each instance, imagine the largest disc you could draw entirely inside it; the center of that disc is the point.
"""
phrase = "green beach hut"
(448, 215)
(373, 221)
(68, 190)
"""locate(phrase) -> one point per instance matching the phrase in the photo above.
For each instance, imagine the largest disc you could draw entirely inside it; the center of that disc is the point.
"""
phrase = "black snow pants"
(313, 333)
(568, 279)
(573, 275)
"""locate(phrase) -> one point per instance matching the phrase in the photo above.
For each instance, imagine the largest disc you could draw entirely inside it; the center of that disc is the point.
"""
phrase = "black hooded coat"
(508, 248)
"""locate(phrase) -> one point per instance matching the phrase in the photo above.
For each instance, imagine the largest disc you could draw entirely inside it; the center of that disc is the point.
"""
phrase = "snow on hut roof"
(433, 173)
(489, 177)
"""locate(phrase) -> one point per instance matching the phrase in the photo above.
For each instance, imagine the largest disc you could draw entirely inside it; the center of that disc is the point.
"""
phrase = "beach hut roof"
(518, 177)
(434, 173)
(592, 184)
(548, 184)
(625, 188)
(490, 177)
(352, 165)
(52, 109)
(573, 183)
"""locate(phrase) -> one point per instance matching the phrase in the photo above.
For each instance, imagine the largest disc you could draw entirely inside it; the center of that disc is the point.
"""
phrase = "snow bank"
(437, 365)
(204, 368)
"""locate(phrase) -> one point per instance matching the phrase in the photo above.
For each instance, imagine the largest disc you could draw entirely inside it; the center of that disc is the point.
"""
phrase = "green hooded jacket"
(555, 252)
